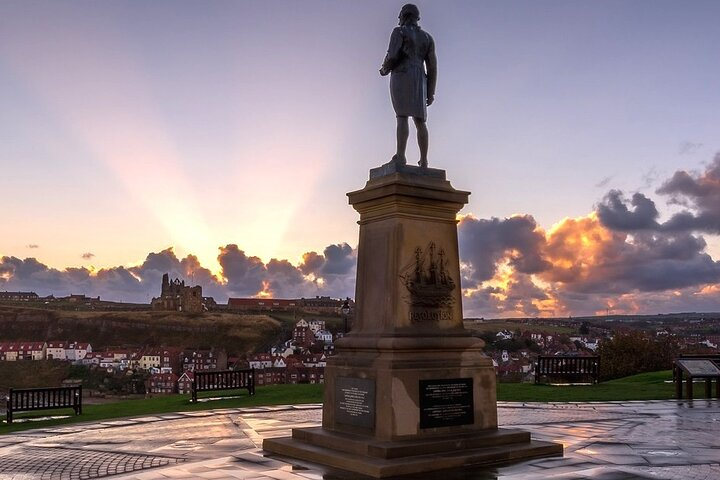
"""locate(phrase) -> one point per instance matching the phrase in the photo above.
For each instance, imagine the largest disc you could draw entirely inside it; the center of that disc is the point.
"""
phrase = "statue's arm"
(394, 52)
(431, 66)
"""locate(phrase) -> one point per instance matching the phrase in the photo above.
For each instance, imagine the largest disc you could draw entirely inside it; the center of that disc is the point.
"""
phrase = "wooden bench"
(29, 399)
(705, 367)
(223, 380)
(568, 369)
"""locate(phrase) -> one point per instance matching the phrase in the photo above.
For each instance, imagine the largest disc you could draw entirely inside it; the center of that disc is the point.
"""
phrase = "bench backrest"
(28, 399)
(563, 367)
(223, 380)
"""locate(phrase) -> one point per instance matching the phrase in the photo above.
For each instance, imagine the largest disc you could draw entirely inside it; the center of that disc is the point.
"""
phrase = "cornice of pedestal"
(408, 194)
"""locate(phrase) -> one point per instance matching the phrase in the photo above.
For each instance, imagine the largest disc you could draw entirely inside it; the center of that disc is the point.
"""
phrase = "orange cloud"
(576, 246)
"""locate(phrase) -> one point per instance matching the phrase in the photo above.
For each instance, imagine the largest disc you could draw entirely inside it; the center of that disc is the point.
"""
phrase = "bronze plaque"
(699, 368)
(446, 403)
(355, 401)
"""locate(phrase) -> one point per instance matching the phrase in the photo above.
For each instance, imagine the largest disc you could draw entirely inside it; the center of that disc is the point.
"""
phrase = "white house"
(56, 350)
(36, 350)
(324, 336)
(316, 325)
(260, 361)
(504, 335)
(93, 358)
(592, 344)
(76, 351)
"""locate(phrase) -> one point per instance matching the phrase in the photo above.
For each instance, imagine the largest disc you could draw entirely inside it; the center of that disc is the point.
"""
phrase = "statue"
(410, 54)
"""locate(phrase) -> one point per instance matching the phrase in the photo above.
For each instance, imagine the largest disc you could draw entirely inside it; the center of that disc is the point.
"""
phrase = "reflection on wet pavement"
(607, 441)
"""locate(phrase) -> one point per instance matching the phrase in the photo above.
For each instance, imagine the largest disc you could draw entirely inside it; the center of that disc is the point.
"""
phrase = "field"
(646, 386)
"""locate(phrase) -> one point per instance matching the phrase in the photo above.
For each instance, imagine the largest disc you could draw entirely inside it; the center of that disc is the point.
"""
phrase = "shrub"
(636, 352)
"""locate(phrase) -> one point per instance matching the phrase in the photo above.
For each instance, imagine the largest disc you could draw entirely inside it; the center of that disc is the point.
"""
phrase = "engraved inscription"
(417, 316)
(445, 403)
(355, 401)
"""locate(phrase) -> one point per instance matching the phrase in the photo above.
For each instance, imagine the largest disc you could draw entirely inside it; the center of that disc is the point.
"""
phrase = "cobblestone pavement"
(606, 441)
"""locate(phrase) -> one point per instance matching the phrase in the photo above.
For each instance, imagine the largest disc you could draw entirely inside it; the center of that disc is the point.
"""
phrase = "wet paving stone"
(51, 463)
(603, 441)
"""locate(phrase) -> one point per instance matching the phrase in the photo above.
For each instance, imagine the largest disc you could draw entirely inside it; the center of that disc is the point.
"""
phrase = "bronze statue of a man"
(411, 60)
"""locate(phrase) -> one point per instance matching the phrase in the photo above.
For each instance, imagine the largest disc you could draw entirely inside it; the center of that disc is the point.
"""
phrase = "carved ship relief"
(427, 279)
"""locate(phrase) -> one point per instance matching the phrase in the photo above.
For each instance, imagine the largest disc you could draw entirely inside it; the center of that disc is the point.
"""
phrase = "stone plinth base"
(391, 370)
(379, 459)
(408, 390)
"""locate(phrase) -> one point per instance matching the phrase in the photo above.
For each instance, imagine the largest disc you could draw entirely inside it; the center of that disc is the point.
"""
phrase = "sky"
(216, 141)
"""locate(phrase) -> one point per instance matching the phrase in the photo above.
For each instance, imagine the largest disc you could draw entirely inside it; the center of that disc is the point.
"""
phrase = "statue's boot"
(399, 160)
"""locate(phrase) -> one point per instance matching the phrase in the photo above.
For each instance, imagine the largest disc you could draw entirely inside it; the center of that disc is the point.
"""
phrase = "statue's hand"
(430, 100)
(383, 71)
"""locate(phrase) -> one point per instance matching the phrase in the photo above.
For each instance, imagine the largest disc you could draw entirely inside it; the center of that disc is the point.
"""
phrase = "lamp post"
(345, 309)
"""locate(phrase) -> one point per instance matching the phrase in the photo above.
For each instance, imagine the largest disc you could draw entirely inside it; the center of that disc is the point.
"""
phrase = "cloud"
(312, 263)
(620, 257)
(333, 270)
(604, 182)
(241, 276)
(589, 258)
(484, 243)
(700, 193)
(33, 245)
(285, 280)
(88, 255)
(689, 148)
(615, 215)
(338, 259)
(244, 275)
(650, 178)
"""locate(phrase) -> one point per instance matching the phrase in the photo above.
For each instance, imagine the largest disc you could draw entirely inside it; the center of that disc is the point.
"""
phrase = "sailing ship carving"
(427, 278)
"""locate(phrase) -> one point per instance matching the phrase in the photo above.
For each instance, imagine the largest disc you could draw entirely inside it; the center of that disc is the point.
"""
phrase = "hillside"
(236, 333)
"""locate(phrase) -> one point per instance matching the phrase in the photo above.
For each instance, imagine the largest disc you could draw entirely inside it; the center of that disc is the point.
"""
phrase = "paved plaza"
(607, 441)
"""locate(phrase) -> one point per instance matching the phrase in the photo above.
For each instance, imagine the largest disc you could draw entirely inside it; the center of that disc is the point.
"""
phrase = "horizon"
(217, 142)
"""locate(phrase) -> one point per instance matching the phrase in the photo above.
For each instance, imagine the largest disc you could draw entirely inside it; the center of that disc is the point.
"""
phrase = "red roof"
(21, 346)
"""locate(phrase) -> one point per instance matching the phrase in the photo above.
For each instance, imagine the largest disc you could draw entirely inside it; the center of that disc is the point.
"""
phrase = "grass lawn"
(270, 395)
(645, 386)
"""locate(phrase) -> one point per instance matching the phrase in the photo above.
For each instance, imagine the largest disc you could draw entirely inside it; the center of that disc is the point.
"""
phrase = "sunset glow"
(142, 138)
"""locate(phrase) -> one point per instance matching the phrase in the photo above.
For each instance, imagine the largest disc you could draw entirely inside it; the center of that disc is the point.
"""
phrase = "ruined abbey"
(175, 296)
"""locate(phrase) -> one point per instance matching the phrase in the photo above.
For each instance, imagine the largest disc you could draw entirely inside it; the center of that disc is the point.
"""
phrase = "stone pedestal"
(408, 390)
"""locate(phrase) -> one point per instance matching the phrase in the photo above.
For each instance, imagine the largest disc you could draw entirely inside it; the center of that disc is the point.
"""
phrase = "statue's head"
(409, 13)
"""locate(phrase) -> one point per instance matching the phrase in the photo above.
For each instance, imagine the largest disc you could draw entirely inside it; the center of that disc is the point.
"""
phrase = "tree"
(635, 352)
